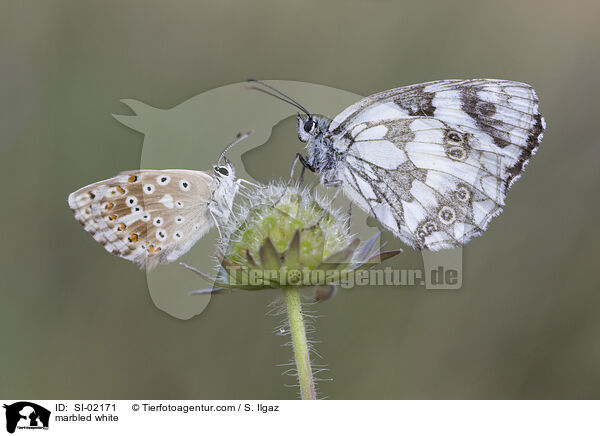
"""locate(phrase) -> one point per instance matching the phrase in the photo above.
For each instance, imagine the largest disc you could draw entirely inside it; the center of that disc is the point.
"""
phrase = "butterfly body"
(323, 157)
(432, 162)
(155, 216)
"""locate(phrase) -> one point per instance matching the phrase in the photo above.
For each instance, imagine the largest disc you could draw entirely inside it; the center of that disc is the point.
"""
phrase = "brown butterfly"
(156, 216)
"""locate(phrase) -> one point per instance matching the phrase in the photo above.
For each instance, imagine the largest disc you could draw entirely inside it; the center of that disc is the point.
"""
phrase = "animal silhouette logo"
(26, 415)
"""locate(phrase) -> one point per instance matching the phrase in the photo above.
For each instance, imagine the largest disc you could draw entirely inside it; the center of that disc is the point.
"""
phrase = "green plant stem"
(301, 352)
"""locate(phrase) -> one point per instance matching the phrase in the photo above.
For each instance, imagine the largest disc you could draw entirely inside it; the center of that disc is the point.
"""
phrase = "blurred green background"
(76, 322)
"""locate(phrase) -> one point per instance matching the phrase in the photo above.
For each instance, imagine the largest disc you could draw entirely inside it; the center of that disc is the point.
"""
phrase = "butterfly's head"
(224, 188)
(224, 171)
(311, 127)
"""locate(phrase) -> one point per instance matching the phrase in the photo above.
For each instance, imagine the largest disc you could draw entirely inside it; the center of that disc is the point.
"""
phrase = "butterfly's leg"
(198, 272)
(240, 181)
(337, 191)
(216, 223)
(333, 183)
(289, 182)
(301, 178)
(337, 183)
(296, 159)
(349, 213)
(305, 164)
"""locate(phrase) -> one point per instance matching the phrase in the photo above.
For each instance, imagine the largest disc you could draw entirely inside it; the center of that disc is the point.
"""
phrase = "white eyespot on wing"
(131, 200)
(163, 179)
(161, 235)
(184, 185)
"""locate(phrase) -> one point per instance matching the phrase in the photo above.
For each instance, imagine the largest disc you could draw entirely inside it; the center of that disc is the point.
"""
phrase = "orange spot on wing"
(120, 190)
(132, 179)
(133, 237)
(122, 226)
(112, 217)
(152, 249)
(109, 205)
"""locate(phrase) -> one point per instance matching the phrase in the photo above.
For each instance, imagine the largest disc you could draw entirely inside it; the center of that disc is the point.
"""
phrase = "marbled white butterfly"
(432, 162)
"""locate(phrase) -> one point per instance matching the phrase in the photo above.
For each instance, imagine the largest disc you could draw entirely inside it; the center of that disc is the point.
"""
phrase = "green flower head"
(286, 236)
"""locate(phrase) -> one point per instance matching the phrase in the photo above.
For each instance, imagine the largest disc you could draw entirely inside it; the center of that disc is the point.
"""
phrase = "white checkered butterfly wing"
(147, 216)
(433, 162)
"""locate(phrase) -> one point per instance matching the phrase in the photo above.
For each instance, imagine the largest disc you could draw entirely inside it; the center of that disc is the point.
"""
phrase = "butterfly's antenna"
(281, 96)
(236, 141)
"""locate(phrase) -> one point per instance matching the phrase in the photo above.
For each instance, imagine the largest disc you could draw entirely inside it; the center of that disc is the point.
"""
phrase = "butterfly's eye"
(222, 170)
(310, 126)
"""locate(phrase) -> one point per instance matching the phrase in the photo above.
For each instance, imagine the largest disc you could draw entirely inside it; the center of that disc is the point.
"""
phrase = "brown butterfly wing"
(146, 216)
